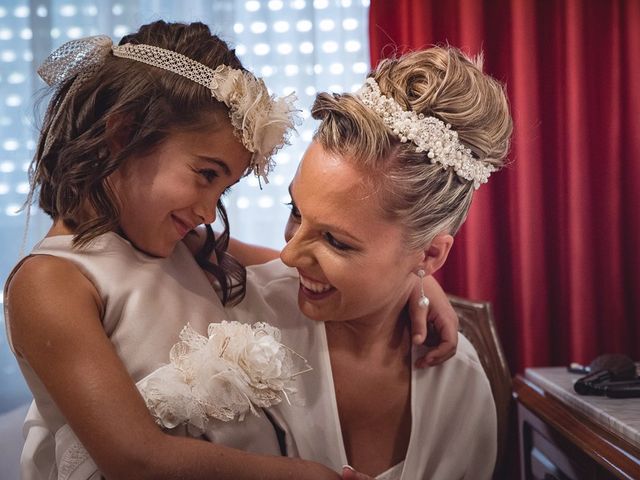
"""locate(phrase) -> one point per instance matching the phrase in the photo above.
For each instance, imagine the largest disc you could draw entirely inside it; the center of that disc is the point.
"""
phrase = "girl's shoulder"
(42, 273)
(39, 291)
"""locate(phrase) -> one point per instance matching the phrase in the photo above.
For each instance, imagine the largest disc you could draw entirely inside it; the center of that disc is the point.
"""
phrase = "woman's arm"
(247, 254)
(56, 327)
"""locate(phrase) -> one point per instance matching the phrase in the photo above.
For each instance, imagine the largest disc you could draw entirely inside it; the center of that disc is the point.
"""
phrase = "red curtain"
(554, 240)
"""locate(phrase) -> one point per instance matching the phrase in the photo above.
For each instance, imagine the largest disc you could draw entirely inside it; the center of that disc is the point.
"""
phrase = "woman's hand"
(438, 319)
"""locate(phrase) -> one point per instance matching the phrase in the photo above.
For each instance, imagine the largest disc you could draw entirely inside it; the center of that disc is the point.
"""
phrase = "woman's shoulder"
(466, 354)
(464, 363)
(271, 294)
(272, 272)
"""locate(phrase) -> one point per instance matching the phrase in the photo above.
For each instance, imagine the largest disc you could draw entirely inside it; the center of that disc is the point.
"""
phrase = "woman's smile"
(313, 289)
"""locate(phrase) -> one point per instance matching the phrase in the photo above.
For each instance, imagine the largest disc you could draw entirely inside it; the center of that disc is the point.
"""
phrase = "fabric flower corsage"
(237, 368)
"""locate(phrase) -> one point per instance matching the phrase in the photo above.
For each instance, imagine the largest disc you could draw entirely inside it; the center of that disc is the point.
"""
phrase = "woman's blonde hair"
(441, 82)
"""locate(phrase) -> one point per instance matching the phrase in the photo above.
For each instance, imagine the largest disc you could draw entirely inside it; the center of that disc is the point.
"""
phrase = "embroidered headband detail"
(261, 121)
(429, 134)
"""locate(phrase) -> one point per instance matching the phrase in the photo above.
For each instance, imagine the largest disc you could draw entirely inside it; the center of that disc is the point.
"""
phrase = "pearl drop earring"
(423, 302)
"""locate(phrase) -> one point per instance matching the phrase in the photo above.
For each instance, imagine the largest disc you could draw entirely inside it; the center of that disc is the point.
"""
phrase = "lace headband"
(261, 121)
(429, 134)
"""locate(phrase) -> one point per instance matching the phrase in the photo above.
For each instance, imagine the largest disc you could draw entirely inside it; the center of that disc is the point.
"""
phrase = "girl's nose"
(206, 211)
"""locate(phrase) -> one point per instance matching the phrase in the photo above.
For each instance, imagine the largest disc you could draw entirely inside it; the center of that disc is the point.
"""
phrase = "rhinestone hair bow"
(428, 134)
(261, 121)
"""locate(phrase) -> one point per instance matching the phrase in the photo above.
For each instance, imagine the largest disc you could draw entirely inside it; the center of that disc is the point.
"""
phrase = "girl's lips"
(181, 227)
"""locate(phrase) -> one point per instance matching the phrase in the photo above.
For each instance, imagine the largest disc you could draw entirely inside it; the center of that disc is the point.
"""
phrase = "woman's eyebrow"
(331, 227)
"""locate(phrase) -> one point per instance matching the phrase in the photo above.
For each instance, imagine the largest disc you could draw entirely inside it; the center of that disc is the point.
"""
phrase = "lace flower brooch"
(235, 369)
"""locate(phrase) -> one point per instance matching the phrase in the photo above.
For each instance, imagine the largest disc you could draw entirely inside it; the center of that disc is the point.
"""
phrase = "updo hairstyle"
(441, 82)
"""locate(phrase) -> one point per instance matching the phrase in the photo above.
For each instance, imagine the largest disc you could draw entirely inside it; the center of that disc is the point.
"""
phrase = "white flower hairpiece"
(429, 134)
(261, 121)
(236, 369)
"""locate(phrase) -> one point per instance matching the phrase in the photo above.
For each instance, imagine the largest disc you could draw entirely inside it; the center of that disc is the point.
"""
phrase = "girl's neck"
(59, 228)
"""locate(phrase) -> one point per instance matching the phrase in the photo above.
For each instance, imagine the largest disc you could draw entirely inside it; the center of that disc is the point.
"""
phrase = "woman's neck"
(386, 330)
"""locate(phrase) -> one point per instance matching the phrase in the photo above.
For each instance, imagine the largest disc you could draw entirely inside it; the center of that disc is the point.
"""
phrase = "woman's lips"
(315, 290)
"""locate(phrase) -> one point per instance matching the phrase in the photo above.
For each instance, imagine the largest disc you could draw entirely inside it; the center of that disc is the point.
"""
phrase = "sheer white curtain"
(306, 46)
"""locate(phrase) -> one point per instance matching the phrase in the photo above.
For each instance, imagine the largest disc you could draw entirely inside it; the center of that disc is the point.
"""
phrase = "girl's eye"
(338, 245)
(295, 213)
(208, 174)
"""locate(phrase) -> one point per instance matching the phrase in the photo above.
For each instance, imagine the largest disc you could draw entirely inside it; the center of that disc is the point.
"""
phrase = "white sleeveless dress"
(454, 426)
(147, 301)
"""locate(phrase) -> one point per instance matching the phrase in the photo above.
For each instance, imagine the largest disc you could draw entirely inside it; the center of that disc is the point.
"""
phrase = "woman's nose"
(295, 253)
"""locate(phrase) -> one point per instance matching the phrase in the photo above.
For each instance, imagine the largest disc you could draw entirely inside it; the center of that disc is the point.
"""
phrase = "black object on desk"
(613, 375)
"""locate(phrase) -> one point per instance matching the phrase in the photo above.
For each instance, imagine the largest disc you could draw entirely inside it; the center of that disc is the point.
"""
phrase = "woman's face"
(352, 261)
(167, 193)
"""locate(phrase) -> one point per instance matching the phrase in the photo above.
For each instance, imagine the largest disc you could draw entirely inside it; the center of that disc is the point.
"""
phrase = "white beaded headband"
(261, 121)
(429, 134)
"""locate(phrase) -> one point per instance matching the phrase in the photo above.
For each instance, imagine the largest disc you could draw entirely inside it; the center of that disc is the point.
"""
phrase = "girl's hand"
(439, 319)
(348, 473)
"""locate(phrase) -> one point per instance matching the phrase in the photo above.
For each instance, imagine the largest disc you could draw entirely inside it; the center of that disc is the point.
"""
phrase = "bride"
(377, 198)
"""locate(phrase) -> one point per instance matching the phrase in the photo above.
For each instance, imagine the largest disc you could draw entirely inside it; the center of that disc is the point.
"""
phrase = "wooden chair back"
(478, 326)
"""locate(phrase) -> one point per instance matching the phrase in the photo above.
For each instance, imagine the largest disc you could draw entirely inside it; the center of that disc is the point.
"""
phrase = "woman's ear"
(436, 253)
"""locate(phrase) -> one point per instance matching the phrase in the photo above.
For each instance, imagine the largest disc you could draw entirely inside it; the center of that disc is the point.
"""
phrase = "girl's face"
(352, 262)
(167, 193)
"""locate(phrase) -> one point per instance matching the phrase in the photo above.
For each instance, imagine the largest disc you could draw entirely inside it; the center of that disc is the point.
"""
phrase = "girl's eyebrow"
(220, 163)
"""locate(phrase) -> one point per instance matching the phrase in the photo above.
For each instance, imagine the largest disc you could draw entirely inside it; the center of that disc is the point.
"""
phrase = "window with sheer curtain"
(302, 46)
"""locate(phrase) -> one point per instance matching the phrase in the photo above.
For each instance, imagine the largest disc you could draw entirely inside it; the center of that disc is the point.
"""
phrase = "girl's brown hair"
(134, 105)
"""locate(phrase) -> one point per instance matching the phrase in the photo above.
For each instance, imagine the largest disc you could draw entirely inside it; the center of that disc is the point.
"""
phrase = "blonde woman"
(380, 193)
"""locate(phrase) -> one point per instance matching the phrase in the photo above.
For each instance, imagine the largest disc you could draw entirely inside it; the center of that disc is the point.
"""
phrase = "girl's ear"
(118, 129)
(436, 253)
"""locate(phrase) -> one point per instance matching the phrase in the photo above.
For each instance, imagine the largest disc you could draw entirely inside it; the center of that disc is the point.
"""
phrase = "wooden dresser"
(565, 436)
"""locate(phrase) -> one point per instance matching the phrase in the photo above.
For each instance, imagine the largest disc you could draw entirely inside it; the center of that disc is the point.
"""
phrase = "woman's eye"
(208, 174)
(295, 213)
(338, 245)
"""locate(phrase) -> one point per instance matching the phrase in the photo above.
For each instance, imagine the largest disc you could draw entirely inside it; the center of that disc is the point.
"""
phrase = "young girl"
(139, 143)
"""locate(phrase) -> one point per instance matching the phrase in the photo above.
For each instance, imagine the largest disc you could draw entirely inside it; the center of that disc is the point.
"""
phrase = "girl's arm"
(443, 317)
(55, 315)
